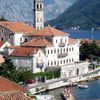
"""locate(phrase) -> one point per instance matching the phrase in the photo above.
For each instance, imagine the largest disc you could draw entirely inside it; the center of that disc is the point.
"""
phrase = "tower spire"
(38, 14)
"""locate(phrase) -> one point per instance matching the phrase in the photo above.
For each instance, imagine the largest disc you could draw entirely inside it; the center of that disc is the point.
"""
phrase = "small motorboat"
(82, 86)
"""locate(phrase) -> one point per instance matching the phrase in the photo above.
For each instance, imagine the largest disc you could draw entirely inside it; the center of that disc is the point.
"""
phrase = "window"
(56, 41)
(67, 49)
(67, 61)
(48, 63)
(54, 50)
(64, 50)
(55, 63)
(9, 36)
(41, 19)
(51, 51)
(2, 39)
(72, 60)
(61, 41)
(61, 50)
(37, 6)
(51, 63)
(64, 61)
(61, 61)
(2, 31)
(77, 72)
(48, 51)
(40, 6)
(58, 50)
(20, 39)
(72, 49)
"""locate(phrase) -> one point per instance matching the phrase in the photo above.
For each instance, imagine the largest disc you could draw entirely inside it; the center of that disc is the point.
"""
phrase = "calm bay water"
(84, 34)
(91, 93)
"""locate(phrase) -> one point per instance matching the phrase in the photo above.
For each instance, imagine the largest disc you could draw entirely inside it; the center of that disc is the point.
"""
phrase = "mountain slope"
(22, 10)
(84, 13)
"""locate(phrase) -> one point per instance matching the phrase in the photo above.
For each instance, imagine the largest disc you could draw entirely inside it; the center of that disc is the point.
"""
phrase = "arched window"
(40, 6)
(37, 6)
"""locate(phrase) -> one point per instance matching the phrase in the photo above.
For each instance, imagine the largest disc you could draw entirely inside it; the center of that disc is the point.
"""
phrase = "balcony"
(61, 44)
(62, 55)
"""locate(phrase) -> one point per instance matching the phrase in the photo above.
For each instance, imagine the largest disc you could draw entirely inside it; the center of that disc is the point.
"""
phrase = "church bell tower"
(38, 14)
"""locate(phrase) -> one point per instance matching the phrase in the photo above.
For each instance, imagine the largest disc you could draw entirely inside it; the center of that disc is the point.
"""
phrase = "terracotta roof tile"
(38, 42)
(72, 40)
(7, 85)
(89, 41)
(17, 26)
(23, 51)
(13, 95)
(1, 43)
(49, 31)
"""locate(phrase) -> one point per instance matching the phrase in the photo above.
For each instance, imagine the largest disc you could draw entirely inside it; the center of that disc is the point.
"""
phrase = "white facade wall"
(18, 39)
(62, 53)
(30, 62)
(39, 61)
(74, 69)
(23, 62)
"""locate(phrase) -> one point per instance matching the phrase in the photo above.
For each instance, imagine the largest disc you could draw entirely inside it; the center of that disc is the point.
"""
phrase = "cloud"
(56, 8)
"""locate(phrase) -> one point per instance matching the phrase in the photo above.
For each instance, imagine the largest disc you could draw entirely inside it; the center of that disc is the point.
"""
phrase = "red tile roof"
(38, 42)
(49, 31)
(72, 40)
(89, 41)
(23, 51)
(7, 85)
(17, 26)
(1, 43)
(13, 95)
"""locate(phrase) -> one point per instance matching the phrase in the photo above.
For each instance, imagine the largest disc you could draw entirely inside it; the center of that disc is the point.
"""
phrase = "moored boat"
(82, 86)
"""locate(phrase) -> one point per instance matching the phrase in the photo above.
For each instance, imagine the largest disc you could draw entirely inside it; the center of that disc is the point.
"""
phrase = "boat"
(82, 86)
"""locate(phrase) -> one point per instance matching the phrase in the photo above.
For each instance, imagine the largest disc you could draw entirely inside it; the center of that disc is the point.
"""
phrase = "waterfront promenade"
(60, 82)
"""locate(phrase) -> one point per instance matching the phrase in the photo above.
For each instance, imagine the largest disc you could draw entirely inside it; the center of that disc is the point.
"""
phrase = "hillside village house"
(14, 32)
(42, 47)
(49, 48)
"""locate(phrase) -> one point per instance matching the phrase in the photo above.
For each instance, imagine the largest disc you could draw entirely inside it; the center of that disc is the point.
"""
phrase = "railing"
(61, 44)
(62, 55)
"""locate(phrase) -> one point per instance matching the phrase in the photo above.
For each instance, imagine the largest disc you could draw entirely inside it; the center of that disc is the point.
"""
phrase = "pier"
(61, 82)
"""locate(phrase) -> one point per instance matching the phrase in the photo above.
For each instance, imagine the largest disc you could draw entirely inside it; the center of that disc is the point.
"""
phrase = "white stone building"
(14, 32)
(27, 58)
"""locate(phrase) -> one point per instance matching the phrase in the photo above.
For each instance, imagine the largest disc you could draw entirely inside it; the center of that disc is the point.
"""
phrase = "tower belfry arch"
(38, 14)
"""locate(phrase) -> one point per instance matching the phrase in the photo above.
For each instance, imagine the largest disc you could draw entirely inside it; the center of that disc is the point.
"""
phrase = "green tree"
(8, 70)
(89, 51)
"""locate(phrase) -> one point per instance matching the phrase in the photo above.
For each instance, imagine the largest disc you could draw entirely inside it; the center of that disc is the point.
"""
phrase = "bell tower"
(38, 14)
